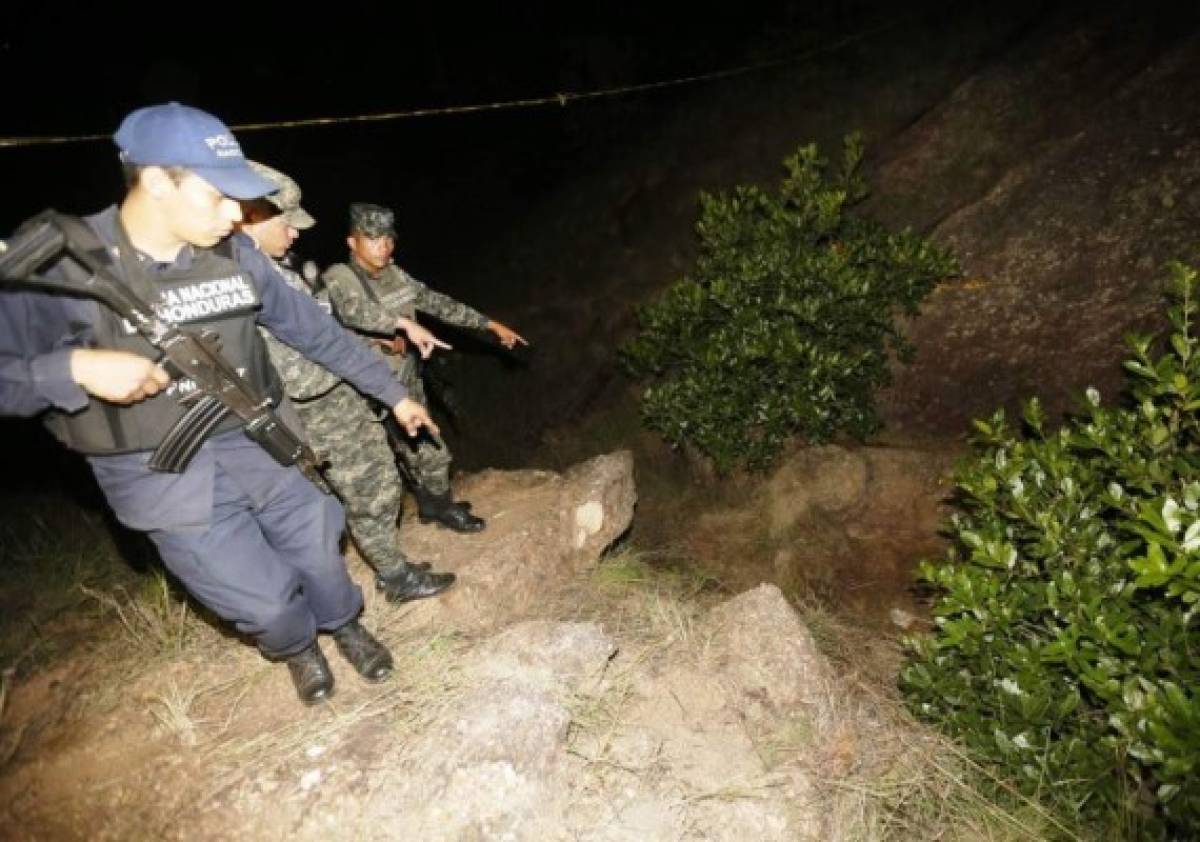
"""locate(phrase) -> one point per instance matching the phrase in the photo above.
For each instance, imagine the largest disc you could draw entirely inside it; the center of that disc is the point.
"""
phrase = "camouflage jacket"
(375, 305)
(302, 379)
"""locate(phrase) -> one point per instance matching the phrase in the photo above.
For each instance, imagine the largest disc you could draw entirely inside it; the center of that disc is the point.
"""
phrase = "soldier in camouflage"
(371, 294)
(341, 425)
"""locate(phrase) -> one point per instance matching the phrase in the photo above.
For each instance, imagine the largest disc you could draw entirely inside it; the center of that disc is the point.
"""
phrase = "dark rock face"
(1064, 176)
(1057, 154)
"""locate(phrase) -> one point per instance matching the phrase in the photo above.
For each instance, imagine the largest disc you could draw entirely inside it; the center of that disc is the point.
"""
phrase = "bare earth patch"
(561, 695)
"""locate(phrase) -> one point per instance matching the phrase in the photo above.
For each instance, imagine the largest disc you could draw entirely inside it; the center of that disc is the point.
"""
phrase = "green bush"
(1065, 645)
(785, 324)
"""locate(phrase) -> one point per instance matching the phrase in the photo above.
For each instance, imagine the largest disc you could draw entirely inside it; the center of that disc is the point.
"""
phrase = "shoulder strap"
(132, 273)
(364, 281)
(224, 248)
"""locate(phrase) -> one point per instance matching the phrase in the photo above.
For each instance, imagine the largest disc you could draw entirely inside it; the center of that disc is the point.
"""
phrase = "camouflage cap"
(372, 220)
(286, 196)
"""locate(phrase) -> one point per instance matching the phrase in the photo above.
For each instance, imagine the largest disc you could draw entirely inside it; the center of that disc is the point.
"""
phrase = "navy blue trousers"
(263, 554)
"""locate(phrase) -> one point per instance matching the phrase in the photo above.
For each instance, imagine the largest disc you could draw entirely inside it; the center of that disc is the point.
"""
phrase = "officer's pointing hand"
(424, 341)
(412, 417)
(117, 376)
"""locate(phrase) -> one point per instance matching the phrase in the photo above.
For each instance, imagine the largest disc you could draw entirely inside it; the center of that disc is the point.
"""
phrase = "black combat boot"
(311, 675)
(411, 583)
(367, 655)
(444, 511)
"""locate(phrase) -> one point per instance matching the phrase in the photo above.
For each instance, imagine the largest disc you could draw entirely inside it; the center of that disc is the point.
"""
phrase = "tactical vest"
(364, 280)
(368, 283)
(213, 293)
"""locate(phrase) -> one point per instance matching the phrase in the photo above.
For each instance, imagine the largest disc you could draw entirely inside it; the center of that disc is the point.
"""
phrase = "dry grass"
(426, 679)
(919, 785)
(212, 696)
(652, 611)
(879, 773)
(246, 726)
(158, 622)
(173, 709)
(887, 776)
(47, 551)
(596, 719)
(638, 596)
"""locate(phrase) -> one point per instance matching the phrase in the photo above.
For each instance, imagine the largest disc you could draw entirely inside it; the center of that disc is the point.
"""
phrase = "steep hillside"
(1054, 152)
(1065, 175)
(553, 694)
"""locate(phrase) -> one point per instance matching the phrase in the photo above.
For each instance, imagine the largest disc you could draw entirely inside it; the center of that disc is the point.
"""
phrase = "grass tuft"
(157, 621)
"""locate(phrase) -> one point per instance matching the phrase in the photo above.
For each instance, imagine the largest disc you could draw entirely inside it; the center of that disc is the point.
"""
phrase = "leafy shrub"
(784, 326)
(1065, 645)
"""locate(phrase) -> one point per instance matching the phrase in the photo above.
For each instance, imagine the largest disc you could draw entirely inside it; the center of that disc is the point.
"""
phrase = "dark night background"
(456, 182)
(468, 189)
(451, 178)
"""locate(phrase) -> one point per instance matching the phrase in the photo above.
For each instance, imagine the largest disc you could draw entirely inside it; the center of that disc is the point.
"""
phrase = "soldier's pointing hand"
(420, 337)
(506, 335)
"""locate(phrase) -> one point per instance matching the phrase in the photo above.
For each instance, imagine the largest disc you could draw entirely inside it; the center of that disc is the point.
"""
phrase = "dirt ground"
(152, 722)
(159, 725)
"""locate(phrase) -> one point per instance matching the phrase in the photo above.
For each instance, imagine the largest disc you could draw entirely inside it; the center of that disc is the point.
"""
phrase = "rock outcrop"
(543, 528)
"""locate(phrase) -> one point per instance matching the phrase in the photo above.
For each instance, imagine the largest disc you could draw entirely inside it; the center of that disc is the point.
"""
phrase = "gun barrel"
(32, 245)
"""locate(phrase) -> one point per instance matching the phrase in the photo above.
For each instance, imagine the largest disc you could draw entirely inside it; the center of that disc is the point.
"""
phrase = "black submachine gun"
(220, 390)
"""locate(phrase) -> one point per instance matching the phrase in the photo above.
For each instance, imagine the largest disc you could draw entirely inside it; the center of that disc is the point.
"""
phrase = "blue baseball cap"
(174, 135)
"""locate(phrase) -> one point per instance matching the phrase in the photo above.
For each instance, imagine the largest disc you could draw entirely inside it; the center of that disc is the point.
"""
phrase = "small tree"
(784, 326)
(1066, 645)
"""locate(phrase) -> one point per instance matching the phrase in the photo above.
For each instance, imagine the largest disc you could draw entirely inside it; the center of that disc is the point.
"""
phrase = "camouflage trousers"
(343, 428)
(426, 458)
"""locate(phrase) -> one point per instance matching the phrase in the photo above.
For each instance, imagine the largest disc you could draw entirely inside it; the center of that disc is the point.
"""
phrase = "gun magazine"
(180, 444)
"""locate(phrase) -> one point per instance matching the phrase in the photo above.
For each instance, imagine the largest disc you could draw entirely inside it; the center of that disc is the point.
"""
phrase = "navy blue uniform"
(251, 539)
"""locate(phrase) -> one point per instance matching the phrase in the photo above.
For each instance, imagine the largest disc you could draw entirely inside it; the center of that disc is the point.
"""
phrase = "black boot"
(410, 583)
(444, 511)
(367, 655)
(311, 675)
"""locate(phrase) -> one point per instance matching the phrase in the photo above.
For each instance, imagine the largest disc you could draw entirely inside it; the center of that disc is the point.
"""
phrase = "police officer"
(253, 540)
(371, 294)
(340, 424)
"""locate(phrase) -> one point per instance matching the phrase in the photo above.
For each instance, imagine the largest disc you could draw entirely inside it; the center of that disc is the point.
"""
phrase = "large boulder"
(769, 661)
(491, 765)
(543, 529)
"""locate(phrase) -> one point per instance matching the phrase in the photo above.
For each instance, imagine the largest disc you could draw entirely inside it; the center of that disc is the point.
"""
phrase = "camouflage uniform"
(373, 306)
(343, 427)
